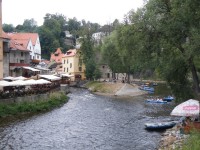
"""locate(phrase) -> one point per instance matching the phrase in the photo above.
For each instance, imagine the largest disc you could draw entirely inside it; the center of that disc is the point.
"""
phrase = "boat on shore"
(168, 98)
(160, 125)
(155, 101)
(146, 88)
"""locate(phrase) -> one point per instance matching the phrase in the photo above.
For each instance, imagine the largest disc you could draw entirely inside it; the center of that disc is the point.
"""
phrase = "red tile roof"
(71, 52)
(57, 56)
(24, 37)
(5, 36)
(14, 45)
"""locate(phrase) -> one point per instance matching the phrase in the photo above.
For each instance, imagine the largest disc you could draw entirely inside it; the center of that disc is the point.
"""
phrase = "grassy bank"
(193, 142)
(55, 100)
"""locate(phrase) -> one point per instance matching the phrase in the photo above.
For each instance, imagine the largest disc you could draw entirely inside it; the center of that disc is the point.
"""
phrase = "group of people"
(186, 124)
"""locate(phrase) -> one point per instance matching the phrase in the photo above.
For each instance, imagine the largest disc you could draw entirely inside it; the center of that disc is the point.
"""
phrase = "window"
(67, 69)
(64, 61)
(37, 57)
(80, 68)
(21, 61)
(22, 54)
(64, 69)
(70, 65)
(67, 61)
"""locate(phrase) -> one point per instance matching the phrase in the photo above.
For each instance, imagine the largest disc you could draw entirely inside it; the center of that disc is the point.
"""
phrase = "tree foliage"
(29, 25)
(92, 71)
(162, 37)
(8, 28)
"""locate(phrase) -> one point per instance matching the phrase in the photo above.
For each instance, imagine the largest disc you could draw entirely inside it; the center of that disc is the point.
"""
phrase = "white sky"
(101, 11)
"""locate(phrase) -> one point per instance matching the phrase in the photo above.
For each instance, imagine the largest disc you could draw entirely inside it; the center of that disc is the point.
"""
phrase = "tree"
(170, 31)
(111, 55)
(29, 25)
(8, 28)
(52, 33)
(87, 50)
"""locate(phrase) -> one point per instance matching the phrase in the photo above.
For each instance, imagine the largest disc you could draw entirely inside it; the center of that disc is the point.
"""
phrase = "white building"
(29, 41)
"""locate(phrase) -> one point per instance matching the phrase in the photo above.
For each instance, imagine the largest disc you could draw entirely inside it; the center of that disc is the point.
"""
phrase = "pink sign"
(195, 107)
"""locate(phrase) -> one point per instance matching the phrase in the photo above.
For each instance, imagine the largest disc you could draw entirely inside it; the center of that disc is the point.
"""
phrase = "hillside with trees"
(159, 40)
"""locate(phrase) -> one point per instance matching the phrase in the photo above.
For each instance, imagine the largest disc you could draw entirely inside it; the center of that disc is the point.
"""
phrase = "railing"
(18, 64)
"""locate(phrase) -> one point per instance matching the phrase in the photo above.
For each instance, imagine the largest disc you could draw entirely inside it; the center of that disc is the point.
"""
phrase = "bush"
(55, 100)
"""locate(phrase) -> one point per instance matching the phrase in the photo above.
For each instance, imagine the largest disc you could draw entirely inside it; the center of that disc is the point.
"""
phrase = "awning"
(30, 68)
(19, 78)
(66, 75)
(50, 77)
(4, 83)
(40, 68)
(8, 78)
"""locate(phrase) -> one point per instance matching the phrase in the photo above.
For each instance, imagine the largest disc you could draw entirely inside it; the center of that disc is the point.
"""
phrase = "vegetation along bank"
(55, 100)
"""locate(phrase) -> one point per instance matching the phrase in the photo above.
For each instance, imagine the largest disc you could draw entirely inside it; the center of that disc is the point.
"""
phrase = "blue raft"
(156, 101)
(168, 98)
(160, 125)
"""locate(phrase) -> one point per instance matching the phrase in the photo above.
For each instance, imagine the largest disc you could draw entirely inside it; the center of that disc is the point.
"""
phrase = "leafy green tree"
(29, 25)
(52, 34)
(167, 33)
(8, 28)
(111, 55)
(97, 73)
(87, 49)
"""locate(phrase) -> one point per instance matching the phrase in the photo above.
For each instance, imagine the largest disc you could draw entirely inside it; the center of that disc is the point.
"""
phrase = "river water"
(88, 122)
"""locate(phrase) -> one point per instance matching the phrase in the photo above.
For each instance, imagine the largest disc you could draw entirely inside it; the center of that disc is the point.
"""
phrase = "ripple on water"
(87, 122)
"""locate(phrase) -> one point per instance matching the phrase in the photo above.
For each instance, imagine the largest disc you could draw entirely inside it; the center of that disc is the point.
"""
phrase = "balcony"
(35, 61)
(19, 64)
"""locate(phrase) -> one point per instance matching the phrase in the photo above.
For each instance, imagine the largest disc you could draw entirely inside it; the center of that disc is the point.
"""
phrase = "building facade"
(73, 64)
(31, 42)
(19, 57)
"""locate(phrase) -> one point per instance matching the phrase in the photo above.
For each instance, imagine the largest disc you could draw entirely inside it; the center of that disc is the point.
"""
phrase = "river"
(88, 122)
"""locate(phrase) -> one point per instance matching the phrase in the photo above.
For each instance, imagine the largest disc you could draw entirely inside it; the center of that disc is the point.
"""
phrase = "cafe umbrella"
(187, 109)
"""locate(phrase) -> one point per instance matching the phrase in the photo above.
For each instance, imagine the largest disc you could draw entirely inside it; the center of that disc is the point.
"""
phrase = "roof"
(5, 36)
(71, 52)
(24, 36)
(57, 56)
(30, 68)
(23, 82)
(14, 45)
(50, 77)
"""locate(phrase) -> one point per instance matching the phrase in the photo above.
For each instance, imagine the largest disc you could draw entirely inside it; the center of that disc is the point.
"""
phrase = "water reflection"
(88, 122)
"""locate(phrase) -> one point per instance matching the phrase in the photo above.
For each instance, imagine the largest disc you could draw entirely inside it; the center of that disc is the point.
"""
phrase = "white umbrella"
(8, 78)
(19, 78)
(187, 108)
(4, 83)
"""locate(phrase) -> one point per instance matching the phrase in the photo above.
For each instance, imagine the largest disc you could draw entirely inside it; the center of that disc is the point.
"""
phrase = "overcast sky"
(96, 11)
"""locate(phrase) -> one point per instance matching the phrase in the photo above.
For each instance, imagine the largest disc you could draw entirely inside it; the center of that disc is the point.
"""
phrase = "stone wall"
(30, 98)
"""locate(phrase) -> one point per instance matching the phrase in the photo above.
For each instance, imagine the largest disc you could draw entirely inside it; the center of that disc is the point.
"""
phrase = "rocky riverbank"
(172, 139)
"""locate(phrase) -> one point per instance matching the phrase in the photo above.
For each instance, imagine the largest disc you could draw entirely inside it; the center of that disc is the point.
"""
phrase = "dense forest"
(52, 32)
(160, 40)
